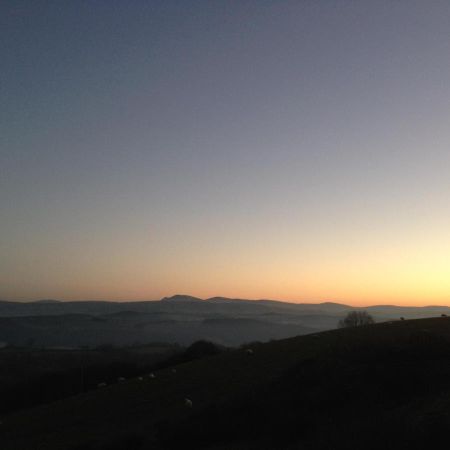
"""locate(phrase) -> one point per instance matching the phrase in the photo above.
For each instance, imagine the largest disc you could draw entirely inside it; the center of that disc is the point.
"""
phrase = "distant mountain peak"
(220, 300)
(181, 298)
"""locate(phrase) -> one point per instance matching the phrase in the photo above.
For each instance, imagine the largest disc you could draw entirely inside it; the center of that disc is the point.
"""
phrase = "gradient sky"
(297, 150)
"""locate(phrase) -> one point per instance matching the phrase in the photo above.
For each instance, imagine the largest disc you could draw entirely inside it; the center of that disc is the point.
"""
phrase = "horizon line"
(293, 302)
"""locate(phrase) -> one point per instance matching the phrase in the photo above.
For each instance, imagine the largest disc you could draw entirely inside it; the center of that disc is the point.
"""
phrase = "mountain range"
(180, 319)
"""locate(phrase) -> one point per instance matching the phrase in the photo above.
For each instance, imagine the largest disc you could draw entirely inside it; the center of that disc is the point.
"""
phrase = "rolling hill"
(380, 386)
(179, 319)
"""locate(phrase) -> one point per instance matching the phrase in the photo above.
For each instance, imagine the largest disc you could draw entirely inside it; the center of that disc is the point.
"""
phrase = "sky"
(292, 150)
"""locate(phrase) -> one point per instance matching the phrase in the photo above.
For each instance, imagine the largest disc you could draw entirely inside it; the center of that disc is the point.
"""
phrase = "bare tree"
(356, 319)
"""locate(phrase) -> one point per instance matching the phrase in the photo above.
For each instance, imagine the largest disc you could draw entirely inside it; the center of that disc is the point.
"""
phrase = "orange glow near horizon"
(343, 274)
(346, 267)
(262, 150)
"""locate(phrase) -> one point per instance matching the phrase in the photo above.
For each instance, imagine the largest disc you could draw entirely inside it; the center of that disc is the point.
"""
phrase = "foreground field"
(29, 376)
(380, 386)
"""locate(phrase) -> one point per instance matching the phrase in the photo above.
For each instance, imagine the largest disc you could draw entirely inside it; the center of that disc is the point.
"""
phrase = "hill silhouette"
(380, 386)
(180, 319)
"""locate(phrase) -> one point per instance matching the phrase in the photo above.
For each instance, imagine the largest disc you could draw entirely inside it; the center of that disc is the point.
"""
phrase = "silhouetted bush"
(356, 319)
(197, 350)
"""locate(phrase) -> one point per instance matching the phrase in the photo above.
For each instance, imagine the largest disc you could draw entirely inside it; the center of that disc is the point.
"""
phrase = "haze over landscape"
(288, 150)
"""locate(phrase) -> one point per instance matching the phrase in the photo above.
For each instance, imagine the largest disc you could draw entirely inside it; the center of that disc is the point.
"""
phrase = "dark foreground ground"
(384, 386)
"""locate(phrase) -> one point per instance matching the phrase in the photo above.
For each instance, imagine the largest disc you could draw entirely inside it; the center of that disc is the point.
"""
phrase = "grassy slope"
(29, 377)
(313, 391)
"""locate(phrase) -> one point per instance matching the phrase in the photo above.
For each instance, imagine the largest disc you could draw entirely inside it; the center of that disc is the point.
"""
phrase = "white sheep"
(120, 379)
(140, 378)
(151, 375)
(249, 351)
(101, 385)
(188, 402)
(174, 370)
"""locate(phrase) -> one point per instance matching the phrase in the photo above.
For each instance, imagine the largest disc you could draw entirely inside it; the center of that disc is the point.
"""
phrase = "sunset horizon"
(293, 300)
(296, 151)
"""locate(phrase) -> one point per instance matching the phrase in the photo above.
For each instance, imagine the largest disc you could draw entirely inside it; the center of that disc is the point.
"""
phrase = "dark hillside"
(30, 376)
(381, 386)
(393, 387)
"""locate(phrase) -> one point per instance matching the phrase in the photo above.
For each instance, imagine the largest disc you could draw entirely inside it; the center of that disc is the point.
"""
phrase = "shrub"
(356, 319)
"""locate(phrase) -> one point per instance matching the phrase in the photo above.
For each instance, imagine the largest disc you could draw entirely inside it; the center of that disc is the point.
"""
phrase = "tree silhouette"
(356, 319)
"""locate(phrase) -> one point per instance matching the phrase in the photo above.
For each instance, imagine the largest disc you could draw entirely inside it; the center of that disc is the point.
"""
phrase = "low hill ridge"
(181, 298)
